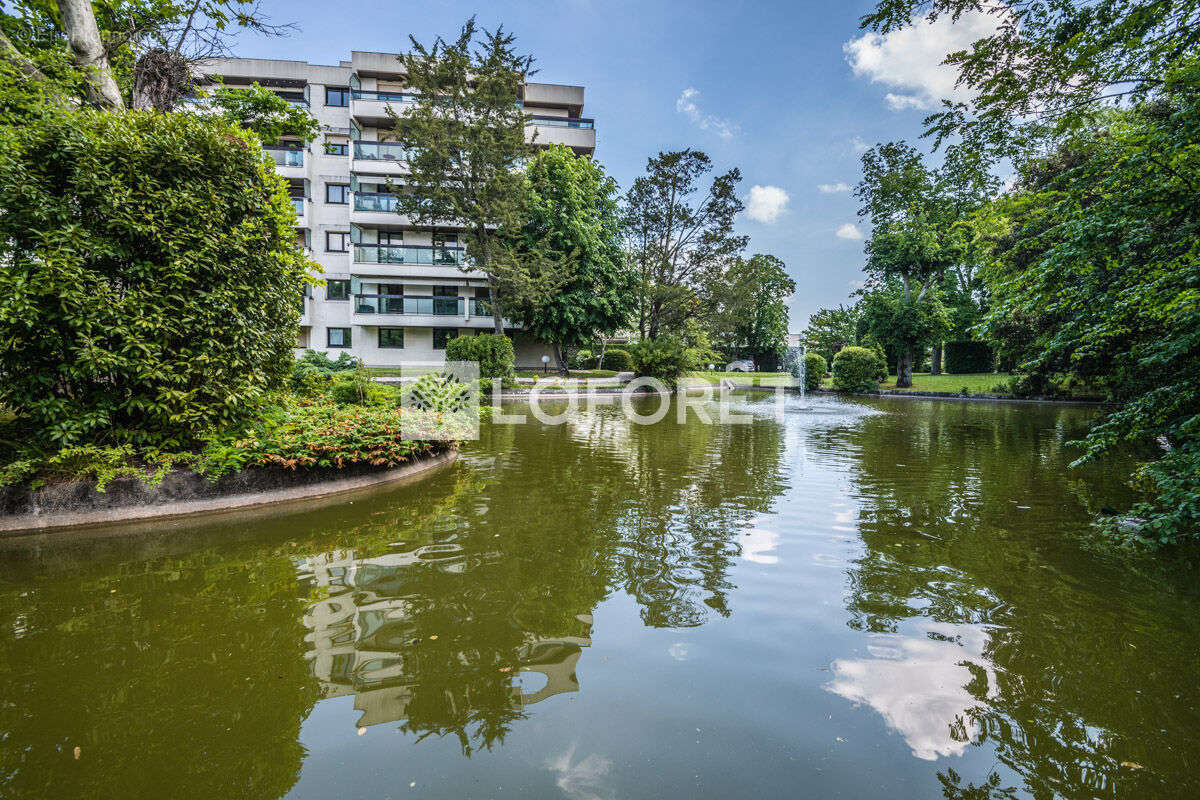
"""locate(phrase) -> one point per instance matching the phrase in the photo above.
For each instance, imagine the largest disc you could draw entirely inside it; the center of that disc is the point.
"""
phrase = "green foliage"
(313, 372)
(465, 135)
(891, 319)
(664, 358)
(616, 359)
(571, 219)
(815, 368)
(967, 358)
(678, 234)
(855, 369)
(152, 282)
(494, 352)
(264, 113)
(358, 389)
(831, 329)
(583, 359)
(750, 315)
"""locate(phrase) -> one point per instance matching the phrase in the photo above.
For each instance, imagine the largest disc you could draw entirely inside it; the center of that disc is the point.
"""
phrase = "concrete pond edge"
(336, 484)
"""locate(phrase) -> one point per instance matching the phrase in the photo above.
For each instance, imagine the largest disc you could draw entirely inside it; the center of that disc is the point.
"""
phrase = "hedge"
(493, 351)
(856, 369)
(964, 358)
(616, 359)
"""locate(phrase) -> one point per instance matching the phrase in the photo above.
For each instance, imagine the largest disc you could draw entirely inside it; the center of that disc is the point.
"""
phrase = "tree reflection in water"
(433, 628)
(989, 622)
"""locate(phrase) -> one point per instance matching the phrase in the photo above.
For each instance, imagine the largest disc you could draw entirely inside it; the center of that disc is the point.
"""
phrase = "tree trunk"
(561, 358)
(87, 49)
(935, 363)
(904, 361)
(603, 348)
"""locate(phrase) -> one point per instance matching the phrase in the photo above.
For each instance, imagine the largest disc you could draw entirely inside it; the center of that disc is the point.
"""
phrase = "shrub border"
(337, 483)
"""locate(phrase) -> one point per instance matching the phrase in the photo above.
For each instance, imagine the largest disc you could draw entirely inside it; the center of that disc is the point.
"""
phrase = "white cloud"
(686, 104)
(909, 60)
(856, 285)
(849, 231)
(834, 188)
(582, 780)
(858, 145)
(766, 203)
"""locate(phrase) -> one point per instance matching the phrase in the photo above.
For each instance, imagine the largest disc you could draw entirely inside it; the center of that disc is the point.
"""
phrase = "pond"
(886, 598)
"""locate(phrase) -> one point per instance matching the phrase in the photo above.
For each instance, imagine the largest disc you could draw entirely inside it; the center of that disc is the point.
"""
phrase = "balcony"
(577, 133)
(380, 202)
(285, 156)
(410, 254)
(372, 107)
(563, 122)
(408, 304)
(385, 97)
(298, 203)
(380, 151)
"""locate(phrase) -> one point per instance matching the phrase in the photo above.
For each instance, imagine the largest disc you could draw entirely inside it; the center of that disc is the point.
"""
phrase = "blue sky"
(773, 90)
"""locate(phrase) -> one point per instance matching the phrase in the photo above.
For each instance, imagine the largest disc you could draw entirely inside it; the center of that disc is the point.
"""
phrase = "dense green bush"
(350, 388)
(815, 368)
(582, 359)
(152, 283)
(493, 351)
(965, 358)
(616, 359)
(664, 358)
(313, 372)
(855, 369)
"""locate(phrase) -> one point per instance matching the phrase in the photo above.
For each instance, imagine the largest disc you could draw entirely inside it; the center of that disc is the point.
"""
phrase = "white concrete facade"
(395, 291)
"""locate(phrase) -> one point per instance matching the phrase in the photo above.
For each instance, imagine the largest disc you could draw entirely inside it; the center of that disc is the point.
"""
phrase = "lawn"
(575, 374)
(978, 383)
(747, 378)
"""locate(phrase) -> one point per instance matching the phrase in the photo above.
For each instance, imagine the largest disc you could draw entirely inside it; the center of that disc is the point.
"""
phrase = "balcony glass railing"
(409, 254)
(380, 151)
(386, 97)
(480, 308)
(298, 204)
(374, 201)
(408, 304)
(286, 156)
(563, 122)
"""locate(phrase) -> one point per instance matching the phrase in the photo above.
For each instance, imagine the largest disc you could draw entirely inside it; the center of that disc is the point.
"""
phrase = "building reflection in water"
(362, 639)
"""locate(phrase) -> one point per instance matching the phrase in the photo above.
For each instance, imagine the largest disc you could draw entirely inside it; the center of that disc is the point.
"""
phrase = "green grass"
(575, 374)
(978, 383)
(751, 378)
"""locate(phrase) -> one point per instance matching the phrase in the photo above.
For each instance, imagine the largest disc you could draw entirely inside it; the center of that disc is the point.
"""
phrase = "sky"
(791, 93)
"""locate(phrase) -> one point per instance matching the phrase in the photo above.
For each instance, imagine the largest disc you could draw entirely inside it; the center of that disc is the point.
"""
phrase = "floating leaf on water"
(361, 731)
(1132, 765)
(78, 752)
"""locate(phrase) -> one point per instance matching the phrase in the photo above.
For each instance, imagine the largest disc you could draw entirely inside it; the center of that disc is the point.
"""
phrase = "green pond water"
(885, 599)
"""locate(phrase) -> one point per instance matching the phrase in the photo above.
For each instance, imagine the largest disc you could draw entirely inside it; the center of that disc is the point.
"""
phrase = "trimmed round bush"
(966, 358)
(616, 359)
(152, 283)
(814, 370)
(493, 351)
(855, 369)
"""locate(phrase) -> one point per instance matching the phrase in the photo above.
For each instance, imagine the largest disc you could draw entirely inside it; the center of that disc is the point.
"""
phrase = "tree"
(902, 322)
(919, 217)
(1051, 63)
(571, 218)
(676, 235)
(465, 135)
(265, 114)
(152, 281)
(831, 329)
(751, 313)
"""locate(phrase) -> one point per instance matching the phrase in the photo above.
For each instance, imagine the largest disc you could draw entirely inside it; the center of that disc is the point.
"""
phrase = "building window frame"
(345, 335)
(383, 346)
(337, 148)
(338, 96)
(342, 292)
(337, 194)
(343, 239)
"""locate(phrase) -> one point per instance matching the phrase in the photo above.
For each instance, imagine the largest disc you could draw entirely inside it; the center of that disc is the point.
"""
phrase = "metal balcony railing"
(409, 254)
(563, 122)
(408, 304)
(285, 156)
(380, 151)
(386, 97)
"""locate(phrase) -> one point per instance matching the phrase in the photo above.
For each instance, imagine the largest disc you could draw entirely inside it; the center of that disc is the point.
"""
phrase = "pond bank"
(923, 395)
(182, 493)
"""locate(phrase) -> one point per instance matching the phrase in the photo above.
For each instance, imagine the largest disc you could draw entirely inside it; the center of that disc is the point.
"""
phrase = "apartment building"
(395, 292)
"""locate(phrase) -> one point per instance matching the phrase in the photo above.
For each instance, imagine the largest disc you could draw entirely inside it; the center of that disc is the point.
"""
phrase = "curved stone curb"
(37, 523)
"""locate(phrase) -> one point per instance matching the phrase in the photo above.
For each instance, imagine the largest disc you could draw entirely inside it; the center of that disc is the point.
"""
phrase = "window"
(445, 291)
(442, 337)
(337, 96)
(337, 337)
(391, 237)
(337, 193)
(337, 290)
(391, 337)
(337, 242)
(337, 148)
